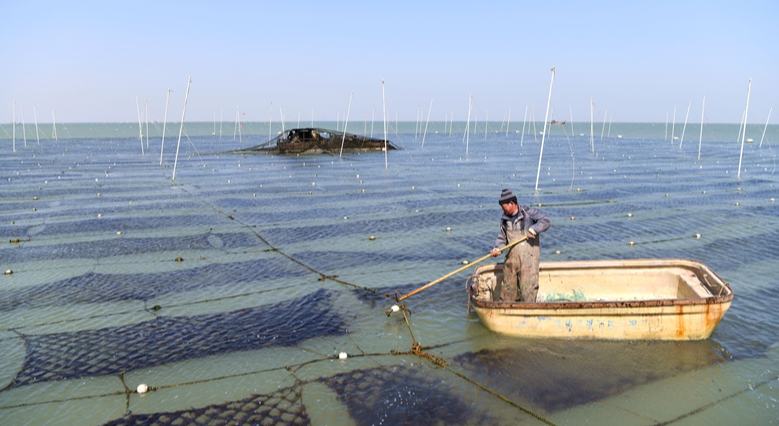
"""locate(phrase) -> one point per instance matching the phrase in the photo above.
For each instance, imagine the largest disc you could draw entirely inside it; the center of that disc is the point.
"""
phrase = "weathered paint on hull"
(690, 322)
(641, 299)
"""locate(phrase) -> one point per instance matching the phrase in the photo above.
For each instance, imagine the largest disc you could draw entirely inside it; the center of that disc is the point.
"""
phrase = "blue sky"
(89, 60)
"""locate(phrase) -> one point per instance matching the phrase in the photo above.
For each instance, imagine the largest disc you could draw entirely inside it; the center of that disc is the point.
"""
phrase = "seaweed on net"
(166, 340)
(283, 407)
(98, 288)
(402, 395)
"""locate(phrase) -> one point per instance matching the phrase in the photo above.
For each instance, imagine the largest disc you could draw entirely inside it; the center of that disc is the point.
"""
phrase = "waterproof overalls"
(520, 270)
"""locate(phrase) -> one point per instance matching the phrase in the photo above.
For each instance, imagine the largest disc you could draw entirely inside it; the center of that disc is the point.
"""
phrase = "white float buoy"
(631, 243)
(448, 229)
(371, 237)
(8, 272)
(630, 214)
(465, 262)
(697, 236)
(343, 355)
(557, 252)
(142, 388)
(395, 308)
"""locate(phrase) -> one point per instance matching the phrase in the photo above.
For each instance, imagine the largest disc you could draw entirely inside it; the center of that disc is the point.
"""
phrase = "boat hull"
(693, 317)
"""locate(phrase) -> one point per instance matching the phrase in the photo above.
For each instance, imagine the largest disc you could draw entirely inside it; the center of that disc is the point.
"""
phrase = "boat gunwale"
(693, 265)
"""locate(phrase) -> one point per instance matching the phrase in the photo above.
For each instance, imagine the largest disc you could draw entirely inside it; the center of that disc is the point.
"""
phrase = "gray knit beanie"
(507, 196)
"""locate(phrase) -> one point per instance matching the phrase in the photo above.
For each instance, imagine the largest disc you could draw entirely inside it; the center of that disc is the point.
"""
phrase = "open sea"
(231, 291)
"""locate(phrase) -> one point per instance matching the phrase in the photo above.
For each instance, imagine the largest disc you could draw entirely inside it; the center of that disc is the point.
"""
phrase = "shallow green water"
(238, 285)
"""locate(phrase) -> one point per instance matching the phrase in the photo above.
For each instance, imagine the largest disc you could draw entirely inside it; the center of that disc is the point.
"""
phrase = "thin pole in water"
(533, 119)
(744, 134)
(592, 126)
(181, 128)
(38, 138)
(54, 126)
(140, 126)
(424, 135)
(673, 125)
(235, 128)
(508, 123)
(766, 126)
(603, 126)
(684, 128)
(524, 121)
(665, 135)
(146, 116)
(396, 123)
(164, 123)
(270, 121)
(343, 137)
(700, 136)
(384, 108)
(24, 130)
(13, 125)
(467, 133)
(213, 131)
(486, 124)
(543, 135)
(240, 131)
(570, 110)
(221, 122)
(373, 115)
(416, 126)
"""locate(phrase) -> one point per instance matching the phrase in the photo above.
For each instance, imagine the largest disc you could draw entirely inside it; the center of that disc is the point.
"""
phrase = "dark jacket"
(526, 218)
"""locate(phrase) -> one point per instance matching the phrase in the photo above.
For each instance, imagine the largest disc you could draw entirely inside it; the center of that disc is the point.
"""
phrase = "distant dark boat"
(317, 141)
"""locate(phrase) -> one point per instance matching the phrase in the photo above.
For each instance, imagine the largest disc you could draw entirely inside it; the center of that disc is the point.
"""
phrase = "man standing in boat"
(523, 259)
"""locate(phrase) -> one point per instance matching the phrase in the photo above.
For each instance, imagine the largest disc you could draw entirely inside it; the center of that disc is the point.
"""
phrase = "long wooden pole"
(164, 124)
(458, 270)
(684, 128)
(543, 135)
(181, 127)
(524, 122)
(764, 127)
(38, 138)
(346, 123)
(744, 134)
(427, 121)
(700, 137)
(384, 110)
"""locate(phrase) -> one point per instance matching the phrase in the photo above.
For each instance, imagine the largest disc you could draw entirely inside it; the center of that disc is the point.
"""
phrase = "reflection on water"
(559, 374)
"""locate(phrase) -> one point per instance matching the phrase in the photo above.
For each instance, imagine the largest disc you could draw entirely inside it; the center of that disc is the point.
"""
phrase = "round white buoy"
(343, 355)
(557, 252)
(572, 218)
(395, 308)
(631, 243)
(142, 388)
(448, 229)
(119, 232)
(99, 215)
(465, 262)
(738, 203)
(697, 236)
(8, 272)
(346, 217)
(630, 214)
(371, 237)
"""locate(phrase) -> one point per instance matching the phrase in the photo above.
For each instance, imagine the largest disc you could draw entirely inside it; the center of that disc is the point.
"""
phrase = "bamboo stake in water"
(221, 122)
(508, 123)
(766, 126)
(146, 116)
(700, 137)
(240, 130)
(744, 134)
(13, 125)
(592, 126)
(486, 121)
(384, 109)
(213, 131)
(164, 123)
(343, 137)
(38, 138)
(467, 134)
(235, 129)
(54, 126)
(424, 135)
(416, 126)
(24, 130)
(373, 118)
(181, 128)
(140, 126)
(524, 121)
(665, 135)
(684, 128)
(543, 135)
(673, 125)
(570, 110)
(603, 127)
(283, 127)
(533, 120)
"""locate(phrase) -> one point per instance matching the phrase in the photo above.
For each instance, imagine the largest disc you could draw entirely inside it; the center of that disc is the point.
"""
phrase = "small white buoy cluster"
(343, 355)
